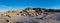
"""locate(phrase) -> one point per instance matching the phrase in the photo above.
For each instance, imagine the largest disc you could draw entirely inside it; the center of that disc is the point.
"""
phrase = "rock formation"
(28, 15)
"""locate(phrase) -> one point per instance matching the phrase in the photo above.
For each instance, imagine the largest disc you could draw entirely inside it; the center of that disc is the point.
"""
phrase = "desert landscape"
(29, 11)
(30, 15)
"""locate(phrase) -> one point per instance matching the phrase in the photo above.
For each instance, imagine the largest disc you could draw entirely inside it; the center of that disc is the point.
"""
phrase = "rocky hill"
(28, 15)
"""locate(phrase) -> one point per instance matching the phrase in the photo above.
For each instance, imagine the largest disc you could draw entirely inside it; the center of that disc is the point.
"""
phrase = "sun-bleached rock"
(28, 15)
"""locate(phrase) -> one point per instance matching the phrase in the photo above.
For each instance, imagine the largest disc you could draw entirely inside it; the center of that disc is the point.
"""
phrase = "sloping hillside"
(29, 15)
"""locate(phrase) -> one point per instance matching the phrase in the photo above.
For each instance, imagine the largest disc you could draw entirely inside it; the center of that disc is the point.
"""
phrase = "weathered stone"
(20, 14)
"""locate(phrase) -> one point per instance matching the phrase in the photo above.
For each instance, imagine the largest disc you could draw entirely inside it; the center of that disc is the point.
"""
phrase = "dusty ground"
(51, 18)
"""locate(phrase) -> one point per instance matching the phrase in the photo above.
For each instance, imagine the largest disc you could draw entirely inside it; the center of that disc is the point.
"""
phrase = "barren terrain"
(29, 16)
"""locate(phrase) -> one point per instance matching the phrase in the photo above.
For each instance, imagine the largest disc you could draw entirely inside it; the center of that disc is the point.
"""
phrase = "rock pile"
(7, 17)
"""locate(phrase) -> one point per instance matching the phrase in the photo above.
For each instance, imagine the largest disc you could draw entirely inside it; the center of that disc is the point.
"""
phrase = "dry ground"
(51, 18)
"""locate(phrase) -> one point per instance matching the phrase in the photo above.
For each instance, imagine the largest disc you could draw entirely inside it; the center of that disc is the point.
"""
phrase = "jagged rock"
(29, 15)
(29, 9)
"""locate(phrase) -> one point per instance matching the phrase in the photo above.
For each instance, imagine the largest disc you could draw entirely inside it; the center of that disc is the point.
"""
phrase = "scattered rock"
(28, 15)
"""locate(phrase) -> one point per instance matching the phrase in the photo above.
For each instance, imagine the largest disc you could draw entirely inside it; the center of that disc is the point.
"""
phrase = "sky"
(22, 4)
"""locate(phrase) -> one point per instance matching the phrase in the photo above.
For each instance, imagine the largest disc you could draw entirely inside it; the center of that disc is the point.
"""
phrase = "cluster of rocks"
(30, 12)
(27, 11)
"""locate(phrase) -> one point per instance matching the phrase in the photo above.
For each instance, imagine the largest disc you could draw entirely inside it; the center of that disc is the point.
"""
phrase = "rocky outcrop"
(28, 15)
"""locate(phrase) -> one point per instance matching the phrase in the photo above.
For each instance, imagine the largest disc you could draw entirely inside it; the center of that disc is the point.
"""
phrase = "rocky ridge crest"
(10, 16)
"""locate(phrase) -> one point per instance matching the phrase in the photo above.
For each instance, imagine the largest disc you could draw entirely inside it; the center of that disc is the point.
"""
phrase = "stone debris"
(28, 15)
